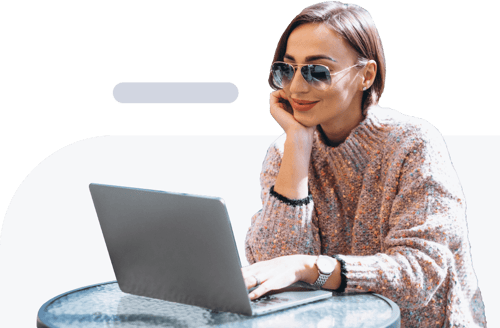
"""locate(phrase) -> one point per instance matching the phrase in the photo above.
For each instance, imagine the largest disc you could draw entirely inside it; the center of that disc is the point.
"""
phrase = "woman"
(370, 189)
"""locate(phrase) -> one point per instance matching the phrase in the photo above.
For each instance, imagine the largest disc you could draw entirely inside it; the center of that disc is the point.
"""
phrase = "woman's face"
(337, 108)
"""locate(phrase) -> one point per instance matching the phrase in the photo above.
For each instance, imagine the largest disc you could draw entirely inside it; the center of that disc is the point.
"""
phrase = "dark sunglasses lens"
(282, 74)
(318, 76)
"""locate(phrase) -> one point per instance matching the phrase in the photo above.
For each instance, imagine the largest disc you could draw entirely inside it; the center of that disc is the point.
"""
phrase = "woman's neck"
(336, 132)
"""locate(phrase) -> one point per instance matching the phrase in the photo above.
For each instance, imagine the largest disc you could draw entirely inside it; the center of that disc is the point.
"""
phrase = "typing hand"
(274, 274)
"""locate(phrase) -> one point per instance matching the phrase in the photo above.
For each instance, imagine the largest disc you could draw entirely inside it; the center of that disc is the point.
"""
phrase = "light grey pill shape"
(175, 92)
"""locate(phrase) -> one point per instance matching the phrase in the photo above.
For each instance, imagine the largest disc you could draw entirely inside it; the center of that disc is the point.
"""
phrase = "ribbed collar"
(364, 142)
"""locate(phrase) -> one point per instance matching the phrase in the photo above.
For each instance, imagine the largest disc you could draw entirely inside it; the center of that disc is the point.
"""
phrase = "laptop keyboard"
(268, 300)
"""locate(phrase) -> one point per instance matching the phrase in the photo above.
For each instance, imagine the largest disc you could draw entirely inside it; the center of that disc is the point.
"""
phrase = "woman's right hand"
(282, 112)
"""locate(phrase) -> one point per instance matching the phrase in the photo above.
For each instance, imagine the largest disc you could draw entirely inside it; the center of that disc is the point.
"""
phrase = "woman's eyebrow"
(311, 58)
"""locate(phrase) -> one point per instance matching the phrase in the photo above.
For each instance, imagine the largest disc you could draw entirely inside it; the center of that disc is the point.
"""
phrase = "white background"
(51, 238)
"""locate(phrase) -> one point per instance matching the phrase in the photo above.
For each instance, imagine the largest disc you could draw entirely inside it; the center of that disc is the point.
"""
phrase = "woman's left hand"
(275, 274)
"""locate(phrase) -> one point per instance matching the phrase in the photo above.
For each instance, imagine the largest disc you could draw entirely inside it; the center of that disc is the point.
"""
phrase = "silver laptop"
(180, 248)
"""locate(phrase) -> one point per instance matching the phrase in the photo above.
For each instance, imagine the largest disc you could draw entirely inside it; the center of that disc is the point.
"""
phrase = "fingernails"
(252, 295)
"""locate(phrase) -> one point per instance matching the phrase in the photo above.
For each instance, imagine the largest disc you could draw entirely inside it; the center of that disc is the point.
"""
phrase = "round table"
(105, 305)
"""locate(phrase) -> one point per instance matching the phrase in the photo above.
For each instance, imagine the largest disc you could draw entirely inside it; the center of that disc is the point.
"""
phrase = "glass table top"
(105, 305)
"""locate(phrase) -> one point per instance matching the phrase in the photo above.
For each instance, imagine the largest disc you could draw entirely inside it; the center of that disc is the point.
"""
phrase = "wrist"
(292, 180)
(300, 136)
(309, 272)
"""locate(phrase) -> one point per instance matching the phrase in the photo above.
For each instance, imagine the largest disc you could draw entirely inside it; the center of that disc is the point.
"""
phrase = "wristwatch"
(326, 266)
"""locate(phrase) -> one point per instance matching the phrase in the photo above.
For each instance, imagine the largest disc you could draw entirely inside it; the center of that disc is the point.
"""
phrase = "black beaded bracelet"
(293, 202)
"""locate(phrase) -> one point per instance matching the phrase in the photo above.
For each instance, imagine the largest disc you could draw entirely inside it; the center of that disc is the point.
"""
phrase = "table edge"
(393, 322)
(39, 316)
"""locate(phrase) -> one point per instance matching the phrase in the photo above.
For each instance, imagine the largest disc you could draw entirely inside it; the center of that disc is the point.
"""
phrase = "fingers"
(278, 96)
(252, 281)
(251, 278)
(279, 104)
(260, 291)
(273, 274)
(267, 281)
(281, 110)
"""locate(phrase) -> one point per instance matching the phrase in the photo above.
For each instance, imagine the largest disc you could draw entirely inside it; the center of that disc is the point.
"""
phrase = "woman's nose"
(298, 83)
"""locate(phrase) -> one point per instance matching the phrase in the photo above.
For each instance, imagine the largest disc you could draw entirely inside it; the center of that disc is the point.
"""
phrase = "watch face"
(326, 264)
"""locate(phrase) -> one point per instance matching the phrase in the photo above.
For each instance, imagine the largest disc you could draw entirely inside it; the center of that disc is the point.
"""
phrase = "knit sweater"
(387, 202)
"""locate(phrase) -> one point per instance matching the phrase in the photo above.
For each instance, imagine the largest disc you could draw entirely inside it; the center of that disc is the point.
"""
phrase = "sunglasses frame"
(302, 65)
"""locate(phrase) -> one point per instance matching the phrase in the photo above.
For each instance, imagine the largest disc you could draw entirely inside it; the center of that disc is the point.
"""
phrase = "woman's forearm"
(292, 177)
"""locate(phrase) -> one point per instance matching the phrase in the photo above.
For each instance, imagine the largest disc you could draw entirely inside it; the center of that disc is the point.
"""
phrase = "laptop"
(180, 248)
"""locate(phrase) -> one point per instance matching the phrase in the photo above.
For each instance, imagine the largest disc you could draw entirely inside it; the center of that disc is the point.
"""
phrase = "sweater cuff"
(361, 272)
(293, 202)
(343, 275)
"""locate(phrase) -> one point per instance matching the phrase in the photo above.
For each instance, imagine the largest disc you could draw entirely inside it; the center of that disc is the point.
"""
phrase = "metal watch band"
(322, 278)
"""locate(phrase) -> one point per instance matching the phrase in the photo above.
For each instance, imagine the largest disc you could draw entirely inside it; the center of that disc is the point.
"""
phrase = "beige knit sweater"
(388, 202)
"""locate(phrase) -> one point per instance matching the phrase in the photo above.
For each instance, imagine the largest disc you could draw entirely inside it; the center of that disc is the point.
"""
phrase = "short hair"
(355, 25)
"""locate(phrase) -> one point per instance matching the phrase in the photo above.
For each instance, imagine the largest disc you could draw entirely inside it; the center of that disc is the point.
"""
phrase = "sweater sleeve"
(283, 226)
(426, 250)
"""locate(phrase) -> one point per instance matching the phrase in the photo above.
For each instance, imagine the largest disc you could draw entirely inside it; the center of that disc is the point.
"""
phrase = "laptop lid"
(171, 246)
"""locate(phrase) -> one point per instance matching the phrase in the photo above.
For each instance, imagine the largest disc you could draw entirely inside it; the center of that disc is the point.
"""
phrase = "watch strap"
(322, 278)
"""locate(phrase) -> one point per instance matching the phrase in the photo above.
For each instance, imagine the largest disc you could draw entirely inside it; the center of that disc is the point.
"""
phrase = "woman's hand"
(283, 271)
(275, 274)
(282, 112)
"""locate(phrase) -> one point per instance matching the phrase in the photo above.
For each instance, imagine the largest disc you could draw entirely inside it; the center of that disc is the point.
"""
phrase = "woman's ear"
(369, 74)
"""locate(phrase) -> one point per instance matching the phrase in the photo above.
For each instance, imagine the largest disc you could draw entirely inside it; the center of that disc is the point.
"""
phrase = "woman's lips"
(303, 105)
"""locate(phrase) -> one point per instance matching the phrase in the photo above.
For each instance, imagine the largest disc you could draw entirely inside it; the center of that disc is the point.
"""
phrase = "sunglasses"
(318, 76)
